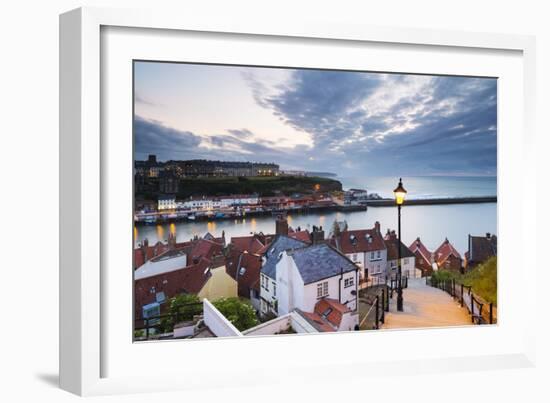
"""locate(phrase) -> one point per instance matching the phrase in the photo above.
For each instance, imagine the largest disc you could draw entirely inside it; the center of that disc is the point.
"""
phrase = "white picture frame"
(85, 343)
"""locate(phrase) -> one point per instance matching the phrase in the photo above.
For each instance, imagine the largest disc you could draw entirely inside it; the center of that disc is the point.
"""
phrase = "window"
(242, 271)
(160, 297)
(150, 311)
(274, 289)
(322, 289)
(378, 255)
(372, 256)
(355, 257)
(406, 260)
(348, 282)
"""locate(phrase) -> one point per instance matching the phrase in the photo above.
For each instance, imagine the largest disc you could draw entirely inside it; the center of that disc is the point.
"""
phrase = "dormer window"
(242, 271)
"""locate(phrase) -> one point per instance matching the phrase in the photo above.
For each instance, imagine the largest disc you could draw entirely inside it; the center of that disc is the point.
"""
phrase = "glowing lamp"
(399, 193)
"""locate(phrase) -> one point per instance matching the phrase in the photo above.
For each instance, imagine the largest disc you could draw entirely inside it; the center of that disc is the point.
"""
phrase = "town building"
(245, 268)
(355, 197)
(480, 248)
(408, 265)
(166, 202)
(329, 315)
(297, 276)
(424, 259)
(447, 257)
(197, 268)
(366, 248)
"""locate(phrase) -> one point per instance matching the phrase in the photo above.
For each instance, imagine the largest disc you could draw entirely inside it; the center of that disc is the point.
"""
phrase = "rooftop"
(279, 244)
(168, 261)
(317, 262)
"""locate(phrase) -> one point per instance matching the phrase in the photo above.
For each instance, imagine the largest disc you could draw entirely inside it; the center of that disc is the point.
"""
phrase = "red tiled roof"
(393, 252)
(357, 241)
(247, 243)
(190, 279)
(300, 235)
(331, 309)
(418, 246)
(317, 321)
(250, 279)
(203, 248)
(445, 250)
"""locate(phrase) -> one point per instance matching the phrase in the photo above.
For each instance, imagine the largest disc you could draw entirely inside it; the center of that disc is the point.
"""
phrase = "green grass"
(482, 279)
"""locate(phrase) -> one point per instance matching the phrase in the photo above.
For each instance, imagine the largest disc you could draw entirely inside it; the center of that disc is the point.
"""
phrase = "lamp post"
(399, 193)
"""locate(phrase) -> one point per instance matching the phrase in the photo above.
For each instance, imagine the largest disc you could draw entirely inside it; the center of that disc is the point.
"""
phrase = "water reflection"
(431, 223)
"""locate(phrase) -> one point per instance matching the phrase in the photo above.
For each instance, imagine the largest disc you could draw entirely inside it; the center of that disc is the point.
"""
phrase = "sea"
(432, 224)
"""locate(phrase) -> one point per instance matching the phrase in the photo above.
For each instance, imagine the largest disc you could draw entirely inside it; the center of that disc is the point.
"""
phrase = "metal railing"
(481, 311)
(153, 326)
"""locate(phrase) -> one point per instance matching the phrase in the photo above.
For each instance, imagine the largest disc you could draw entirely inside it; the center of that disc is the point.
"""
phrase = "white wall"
(216, 322)
(273, 326)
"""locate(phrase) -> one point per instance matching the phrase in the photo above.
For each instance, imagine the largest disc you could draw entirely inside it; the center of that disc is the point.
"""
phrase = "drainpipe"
(340, 285)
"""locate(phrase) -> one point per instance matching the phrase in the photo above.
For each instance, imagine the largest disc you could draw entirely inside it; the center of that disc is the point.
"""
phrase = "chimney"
(488, 235)
(377, 226)
(317, 235)
(281, 225)
(144, 248)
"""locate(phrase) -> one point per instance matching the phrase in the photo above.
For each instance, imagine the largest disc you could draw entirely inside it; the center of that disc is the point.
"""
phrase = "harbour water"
(426, 187)
(431, 223)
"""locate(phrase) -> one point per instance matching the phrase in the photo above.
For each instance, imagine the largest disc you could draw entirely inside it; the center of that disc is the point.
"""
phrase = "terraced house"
(366, 248)
(296, 276)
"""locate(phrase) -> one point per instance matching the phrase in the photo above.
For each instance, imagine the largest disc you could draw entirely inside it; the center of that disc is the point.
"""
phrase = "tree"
(240, 314)
(183, 307)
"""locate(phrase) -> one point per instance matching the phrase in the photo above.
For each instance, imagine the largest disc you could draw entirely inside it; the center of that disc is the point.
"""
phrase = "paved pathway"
(425, 306)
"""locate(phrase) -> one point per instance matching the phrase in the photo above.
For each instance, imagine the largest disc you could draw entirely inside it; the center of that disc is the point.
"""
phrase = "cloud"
(359, 124)
(138, 99)
(392, 124)
(152, 137)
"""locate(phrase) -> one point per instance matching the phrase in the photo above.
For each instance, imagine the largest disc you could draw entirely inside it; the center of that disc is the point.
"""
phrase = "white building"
(366, 248)
(408, 266)
(167, 202)
(200, 204)
(295, 277)
(239, 200)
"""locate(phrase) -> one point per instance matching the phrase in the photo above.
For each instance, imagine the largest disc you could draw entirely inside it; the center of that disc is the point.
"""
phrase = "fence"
(377, 302)
(480, 311)
(153, 327)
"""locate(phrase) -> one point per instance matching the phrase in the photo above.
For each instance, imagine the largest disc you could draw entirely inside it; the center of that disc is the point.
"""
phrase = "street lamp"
(399, 193)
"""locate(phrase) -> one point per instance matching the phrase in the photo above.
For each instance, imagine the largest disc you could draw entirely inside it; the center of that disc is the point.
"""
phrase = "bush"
(185, 306)
(239, 313)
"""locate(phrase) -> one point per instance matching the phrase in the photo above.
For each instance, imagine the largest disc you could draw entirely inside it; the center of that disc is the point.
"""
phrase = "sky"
(348, 123)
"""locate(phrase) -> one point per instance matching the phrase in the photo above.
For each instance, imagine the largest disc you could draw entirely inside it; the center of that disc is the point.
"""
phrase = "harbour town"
(291, 278)
(271, 201)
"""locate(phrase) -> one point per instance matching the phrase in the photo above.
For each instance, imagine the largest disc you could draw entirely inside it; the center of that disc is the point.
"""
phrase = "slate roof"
(279, 244)
(320, 261)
